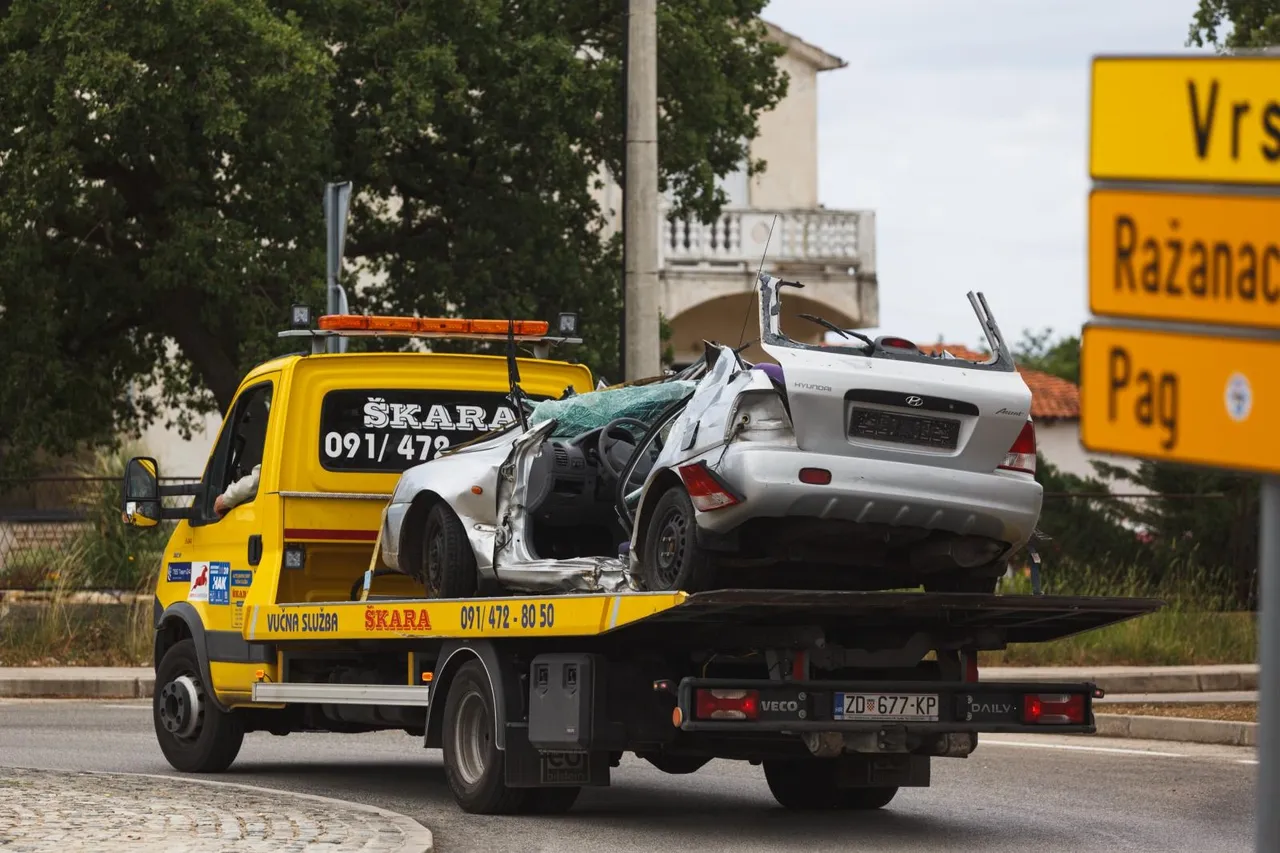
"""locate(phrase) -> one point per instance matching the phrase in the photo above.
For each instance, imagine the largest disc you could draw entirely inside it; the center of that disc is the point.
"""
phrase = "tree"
(159, 170)
(1039, 351)
(1254, 24)
(172, 191)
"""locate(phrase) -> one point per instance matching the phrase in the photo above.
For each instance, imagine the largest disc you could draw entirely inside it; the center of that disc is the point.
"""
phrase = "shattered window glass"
(585, 412)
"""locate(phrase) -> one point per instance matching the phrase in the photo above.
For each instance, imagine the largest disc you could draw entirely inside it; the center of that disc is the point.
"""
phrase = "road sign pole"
(1268, 816)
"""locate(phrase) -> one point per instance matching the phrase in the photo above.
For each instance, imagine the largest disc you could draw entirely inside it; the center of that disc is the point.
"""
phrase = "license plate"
(887, 706)
(904, 429)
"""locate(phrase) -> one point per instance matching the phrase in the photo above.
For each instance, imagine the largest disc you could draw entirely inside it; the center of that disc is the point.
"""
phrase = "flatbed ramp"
(664, 616)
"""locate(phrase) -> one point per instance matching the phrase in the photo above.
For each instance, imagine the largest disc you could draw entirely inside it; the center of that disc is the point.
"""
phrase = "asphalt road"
(1014, 794)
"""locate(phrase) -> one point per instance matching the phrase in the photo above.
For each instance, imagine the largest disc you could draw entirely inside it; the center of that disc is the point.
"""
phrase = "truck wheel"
(193, 734)
(672, 559)
(473, 764)
(448, 563)
(810, 785)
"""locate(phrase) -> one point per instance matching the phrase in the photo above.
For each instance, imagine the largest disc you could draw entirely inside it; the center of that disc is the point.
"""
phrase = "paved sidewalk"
(59, 811)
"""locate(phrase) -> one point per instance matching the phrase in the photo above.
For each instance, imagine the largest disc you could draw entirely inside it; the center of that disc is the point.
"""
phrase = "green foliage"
(163, 164)
(1254, 24)
(1039, 351)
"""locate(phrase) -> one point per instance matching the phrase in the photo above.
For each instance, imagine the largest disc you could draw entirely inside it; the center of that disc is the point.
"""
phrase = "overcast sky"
(964, 125)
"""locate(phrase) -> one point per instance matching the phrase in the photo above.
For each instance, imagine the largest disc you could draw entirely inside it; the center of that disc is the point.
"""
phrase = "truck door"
(228, 548)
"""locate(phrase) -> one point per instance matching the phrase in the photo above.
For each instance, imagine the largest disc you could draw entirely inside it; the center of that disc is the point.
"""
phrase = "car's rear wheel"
(672, 559)
(810, 785)
(448, 563)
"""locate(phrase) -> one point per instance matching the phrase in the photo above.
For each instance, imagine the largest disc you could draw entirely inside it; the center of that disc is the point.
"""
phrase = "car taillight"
(727, 704)
(706, 490)
(1061, 708)
(971, 666)
(1022, 456)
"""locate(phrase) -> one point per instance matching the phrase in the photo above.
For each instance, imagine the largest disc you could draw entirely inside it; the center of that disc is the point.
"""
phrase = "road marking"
(1116, 749)
(129, 707)
(1246, 761)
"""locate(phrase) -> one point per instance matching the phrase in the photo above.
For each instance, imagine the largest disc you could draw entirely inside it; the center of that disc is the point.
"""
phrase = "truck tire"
(810, 785)
(672, 559)
(194, 735)
(448, 563)
(473, 765)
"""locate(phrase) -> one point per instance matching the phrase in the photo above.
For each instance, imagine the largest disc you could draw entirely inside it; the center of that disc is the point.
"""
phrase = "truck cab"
(326, 435)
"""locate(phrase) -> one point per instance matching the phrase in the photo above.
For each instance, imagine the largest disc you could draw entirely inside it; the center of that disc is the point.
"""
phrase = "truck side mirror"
(141, 500)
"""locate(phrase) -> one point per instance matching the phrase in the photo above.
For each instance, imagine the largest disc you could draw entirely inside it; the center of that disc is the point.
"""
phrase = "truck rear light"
(1051, 708)
(706, 490)
(971, 666)
(815, 476)
(727, 704)
(1022, 456)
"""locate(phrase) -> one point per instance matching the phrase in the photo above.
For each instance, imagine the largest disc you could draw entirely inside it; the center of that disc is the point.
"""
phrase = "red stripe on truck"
(339, 535)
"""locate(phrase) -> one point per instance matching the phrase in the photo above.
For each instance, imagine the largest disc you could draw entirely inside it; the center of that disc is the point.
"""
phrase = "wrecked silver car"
(866, 465)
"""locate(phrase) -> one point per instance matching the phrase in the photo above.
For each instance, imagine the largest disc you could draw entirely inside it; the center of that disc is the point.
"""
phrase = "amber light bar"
(431, 325)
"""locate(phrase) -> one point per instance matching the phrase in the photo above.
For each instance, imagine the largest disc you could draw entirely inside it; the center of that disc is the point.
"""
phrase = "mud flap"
(528, 768)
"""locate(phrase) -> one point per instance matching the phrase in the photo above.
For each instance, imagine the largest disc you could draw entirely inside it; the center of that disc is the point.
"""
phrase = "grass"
(1165, 638)
(1237, 712)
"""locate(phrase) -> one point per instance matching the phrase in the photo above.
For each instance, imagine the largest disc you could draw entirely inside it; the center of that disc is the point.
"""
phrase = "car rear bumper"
(1001, 505)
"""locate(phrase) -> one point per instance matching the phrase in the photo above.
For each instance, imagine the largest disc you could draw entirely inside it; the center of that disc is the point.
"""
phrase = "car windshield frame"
(771, 334)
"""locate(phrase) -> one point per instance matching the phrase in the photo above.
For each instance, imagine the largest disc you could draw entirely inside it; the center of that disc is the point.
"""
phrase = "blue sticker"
(178, 572)
(240, 577)
(219, 583)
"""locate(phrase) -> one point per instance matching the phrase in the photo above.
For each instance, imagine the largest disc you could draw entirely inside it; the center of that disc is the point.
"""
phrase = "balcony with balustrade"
(708, 273)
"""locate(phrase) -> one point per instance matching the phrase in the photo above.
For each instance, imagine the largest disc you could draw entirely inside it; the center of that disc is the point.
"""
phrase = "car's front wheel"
(448, 563)
(672, 559)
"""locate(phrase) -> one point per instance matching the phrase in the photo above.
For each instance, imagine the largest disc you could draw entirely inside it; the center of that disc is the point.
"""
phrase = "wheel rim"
(435, 558)
(671, 546)
(181, 707)
(471, 738)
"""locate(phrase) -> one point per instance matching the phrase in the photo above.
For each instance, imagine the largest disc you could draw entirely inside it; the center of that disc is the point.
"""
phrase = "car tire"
(473, 765)
(810, 785)
(672, 559)
(194, 735)
(448, 563)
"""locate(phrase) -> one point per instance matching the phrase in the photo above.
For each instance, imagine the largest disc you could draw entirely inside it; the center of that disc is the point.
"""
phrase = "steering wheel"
(603, 446)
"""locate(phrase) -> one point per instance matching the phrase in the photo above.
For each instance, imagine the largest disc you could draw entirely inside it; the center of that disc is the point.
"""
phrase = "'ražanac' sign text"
(1185, 257)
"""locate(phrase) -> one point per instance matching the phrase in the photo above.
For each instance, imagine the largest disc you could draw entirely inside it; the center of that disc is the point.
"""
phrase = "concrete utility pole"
(640, 192)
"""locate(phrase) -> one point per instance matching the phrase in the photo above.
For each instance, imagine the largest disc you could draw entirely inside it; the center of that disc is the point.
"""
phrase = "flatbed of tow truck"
(843, 696)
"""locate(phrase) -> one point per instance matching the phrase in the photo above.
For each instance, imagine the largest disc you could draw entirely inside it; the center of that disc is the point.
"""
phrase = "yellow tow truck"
(266, 621)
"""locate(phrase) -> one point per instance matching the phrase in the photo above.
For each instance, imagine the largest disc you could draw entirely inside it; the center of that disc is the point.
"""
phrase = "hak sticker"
(219, 583)
(178, 573)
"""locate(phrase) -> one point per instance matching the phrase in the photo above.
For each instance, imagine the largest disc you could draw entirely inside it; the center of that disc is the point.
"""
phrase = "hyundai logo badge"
(915, 401)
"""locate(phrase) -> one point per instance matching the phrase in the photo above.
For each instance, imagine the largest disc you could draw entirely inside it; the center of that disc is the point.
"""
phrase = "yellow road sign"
(1181, 397)
(1185, 257)
(1208, 118)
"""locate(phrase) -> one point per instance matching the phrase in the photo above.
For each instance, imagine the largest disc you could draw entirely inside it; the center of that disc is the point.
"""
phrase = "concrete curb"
(66, 683)
(1177, 729)
(1207, 679)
